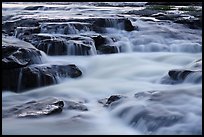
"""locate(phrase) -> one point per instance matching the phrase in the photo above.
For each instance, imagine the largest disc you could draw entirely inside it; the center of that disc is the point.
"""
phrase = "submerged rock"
(150, 118)
(71, 105)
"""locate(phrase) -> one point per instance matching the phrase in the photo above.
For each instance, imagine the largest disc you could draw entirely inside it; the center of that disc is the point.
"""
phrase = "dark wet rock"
(65, 28)
(6, 17)
(21, 32)
(33, 7)
(71, 105)
(106, 49)
(177, 76)
(195, 13)
(175, 3)
(102, 45)
(120, 23)
(128, 25)
(78, 48)
(143, 12)
(195, 23)
(34, 76)
(165, 16)
(113, 98)
(99, 40)
(62, 45)
(35, 39)
(10, 26)
(112, 101)
(181, 75)
(191, 22)
(35, 108)
(19, 54)
(53, 47)
(191, 73)
(119, 4)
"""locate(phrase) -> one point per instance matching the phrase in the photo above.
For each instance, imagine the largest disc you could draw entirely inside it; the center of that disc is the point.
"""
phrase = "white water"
(147, 55)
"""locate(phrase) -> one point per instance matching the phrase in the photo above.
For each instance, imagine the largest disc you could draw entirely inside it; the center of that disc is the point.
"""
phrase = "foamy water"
(146, 56)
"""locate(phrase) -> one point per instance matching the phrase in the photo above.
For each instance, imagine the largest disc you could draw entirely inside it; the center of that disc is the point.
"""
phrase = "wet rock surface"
(43, 107)
(23, 63)
(10, 26)
(180, 74)
(190, 16)
(175, 3)
(35, 108)
(34, 76)
(191, 73)
(16, 56)
(112, 22)
(71, 105)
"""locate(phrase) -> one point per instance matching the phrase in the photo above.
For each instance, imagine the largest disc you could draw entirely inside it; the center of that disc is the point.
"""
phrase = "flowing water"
(146, 55)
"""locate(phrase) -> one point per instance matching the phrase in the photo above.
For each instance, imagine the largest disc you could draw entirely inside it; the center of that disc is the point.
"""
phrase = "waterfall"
(19, 80)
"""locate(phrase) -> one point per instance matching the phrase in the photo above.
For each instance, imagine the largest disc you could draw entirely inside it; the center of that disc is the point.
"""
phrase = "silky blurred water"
(146, 56)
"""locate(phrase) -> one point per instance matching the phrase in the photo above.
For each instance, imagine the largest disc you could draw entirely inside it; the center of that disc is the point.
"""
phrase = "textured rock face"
(120, 23)
(9, 26)
(35, 108)
(23, 64)
(16, 54)
(43, 107)
(191, 73)
(15, 57)
(37, 76)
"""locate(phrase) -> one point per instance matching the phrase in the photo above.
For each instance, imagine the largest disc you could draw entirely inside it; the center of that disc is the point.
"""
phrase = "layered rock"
(16, 54)
(24, 65)
(37, 76)
(120, 23)
(10, 26)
